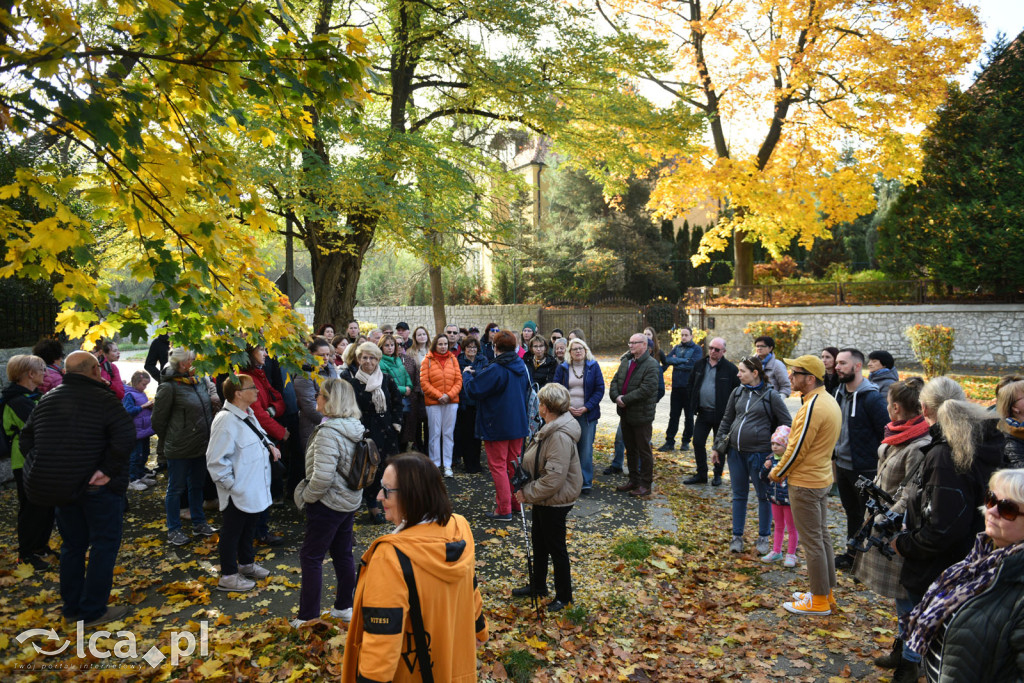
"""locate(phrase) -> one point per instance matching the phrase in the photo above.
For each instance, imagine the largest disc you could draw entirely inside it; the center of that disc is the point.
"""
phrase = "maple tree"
(417, 167)
(155, 97)
(784, 85)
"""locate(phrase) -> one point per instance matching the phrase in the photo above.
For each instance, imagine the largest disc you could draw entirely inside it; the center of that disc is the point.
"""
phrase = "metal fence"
(608, 323)
(25, 322)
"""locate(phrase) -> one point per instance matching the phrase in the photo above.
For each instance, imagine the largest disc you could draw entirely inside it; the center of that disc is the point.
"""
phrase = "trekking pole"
(534, 598)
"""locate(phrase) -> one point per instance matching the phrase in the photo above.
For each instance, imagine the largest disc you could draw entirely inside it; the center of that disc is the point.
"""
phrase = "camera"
(881, 525)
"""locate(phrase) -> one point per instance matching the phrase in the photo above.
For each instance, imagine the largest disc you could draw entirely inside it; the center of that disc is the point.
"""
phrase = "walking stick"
(520, 477)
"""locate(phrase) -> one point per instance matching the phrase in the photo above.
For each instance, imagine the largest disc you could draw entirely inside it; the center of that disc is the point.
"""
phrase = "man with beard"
(864, 418)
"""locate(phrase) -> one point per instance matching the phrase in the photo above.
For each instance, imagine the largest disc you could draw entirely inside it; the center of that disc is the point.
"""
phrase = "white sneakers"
(790, 561)
(343, 614)
(235, 583)
(253, 571)
(448, 472)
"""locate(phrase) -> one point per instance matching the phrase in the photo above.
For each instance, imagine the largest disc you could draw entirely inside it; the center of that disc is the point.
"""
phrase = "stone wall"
(987, 335)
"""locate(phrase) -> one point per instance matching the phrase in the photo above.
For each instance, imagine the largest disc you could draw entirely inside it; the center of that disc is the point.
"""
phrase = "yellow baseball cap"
(811, 364)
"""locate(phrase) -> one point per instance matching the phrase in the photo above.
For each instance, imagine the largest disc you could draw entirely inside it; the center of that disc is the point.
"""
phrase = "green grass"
(519, 665)
(577, 614)
(633, 549)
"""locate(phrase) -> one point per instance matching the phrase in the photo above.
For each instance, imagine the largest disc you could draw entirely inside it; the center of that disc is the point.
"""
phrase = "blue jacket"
(593, 387)
(865, 415)
(478, 364)
(500, 390)
(682, 358)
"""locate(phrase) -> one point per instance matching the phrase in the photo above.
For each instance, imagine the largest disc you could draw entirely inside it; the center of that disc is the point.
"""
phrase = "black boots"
(893, 659)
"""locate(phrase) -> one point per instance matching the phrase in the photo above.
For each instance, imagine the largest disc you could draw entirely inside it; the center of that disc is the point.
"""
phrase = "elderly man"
(635, 392)
(711, 383)
(451, 331)
(77, 444)
(807, 466)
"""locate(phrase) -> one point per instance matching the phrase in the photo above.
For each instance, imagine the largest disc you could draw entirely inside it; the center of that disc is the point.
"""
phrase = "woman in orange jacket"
(441, 383)
(415, 604)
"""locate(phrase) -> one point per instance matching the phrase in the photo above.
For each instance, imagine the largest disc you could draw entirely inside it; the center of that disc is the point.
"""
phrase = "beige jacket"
(554, 463)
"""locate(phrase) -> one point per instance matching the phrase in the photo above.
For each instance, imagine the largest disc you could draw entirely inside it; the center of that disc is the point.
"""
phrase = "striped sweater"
(807, 461)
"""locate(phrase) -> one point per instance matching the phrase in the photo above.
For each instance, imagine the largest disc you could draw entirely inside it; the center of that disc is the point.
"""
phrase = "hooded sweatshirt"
(884, 378)
(864, 419)
(381, 645)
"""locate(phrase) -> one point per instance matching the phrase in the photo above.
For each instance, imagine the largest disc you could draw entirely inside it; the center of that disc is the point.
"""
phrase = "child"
(140, 407)
(778, 494)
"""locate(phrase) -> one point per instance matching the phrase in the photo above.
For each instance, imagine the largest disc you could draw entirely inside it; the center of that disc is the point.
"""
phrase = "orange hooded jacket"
(380, 644)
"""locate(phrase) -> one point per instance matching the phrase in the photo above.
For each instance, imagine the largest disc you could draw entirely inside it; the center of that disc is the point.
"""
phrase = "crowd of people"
(944, 477)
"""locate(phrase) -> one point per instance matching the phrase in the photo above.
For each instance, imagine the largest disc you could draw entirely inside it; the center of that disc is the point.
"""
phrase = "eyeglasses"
(798, 372)
(252, 388)
(387, 491)
(638, 342)
(1007, 509)
(715, 348)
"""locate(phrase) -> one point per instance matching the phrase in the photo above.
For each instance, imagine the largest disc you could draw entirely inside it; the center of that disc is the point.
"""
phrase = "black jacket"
(1013, 452)
(984, 639)
(76, 429)
(725, 381)
(541, 374)
(942, 516)
(380, 426)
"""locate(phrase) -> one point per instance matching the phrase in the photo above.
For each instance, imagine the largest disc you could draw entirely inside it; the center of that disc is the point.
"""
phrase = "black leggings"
(548, 534)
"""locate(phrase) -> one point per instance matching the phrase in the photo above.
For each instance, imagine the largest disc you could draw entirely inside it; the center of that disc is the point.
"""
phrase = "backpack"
(533, 420)
(365, 462)
(5, 441)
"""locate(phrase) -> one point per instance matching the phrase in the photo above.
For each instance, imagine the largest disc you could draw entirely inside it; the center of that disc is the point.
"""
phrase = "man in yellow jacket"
(807, 465)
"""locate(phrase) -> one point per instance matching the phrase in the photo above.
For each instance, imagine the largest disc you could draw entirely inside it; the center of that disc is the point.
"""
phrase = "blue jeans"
(91, 524)
(137, 460)
(905, 606)
(745, 468)
(620, 449)
(182, 474)
(588, 430)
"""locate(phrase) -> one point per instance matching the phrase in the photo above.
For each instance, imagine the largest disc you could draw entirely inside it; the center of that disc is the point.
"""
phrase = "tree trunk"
(437, 298)
(743, 251)
(336, 271)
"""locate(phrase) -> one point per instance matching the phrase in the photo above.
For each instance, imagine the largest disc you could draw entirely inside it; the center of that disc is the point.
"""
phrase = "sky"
(999, 15)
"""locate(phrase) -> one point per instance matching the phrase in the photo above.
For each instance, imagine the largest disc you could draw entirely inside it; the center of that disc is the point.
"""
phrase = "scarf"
(373, 386)
(1013, 428)
(904, 431)
(753, 387)
(189, 379)
(953, 588)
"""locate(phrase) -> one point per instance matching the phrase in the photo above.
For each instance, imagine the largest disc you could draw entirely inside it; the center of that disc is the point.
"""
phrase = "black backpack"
(365, 462)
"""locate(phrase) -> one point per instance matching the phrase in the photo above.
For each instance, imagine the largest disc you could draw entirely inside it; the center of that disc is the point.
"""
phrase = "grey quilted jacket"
(328, 458)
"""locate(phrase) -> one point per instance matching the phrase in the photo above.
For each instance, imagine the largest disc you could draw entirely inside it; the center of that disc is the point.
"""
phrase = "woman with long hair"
(1010, 406)
(828, 357)
(899, 458)
(943, 519)
(441, 382)
(752, 414)
(581, 375)
(467, 444)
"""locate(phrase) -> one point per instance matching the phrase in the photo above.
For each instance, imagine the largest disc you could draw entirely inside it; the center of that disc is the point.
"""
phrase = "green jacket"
(394, 366)
(18, 403)
(641, 397)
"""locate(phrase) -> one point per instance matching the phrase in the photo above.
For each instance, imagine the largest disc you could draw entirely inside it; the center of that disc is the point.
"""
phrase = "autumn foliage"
(786, 85)
(786, 334)
(933, 347)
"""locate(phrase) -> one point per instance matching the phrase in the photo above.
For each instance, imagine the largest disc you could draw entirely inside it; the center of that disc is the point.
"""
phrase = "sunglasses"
(1007, 509)
(715, 348)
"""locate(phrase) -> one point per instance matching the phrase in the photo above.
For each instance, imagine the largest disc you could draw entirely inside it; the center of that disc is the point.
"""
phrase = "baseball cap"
(402, 326)
(811, 364)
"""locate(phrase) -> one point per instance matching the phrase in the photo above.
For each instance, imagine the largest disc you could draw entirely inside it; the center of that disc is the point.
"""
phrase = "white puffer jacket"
(328, 456)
